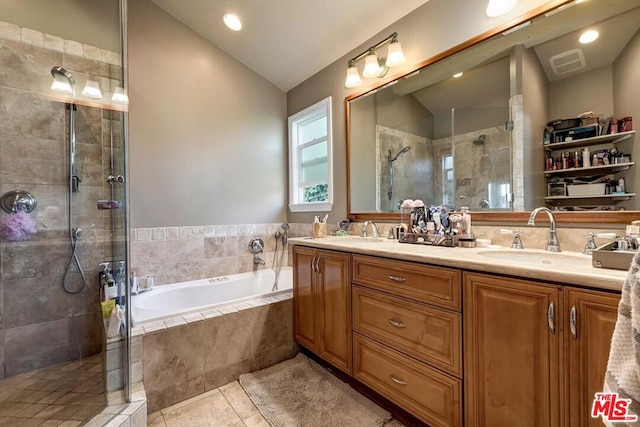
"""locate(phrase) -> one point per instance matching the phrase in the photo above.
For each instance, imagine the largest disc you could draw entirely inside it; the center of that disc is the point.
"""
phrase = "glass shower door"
(60, 138)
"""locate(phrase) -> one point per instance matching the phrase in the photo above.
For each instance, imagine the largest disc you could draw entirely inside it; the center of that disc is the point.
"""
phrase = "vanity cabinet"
(322, 304)
(591, 318)
(535, 353)
(407, 336)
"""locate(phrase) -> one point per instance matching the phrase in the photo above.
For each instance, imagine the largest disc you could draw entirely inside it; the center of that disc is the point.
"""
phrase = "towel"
(623, 367)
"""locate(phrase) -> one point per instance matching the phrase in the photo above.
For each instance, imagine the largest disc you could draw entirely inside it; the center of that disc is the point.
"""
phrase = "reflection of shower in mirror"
(391, 160)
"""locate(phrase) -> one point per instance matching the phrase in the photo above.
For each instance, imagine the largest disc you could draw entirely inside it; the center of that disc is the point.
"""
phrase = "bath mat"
(299, 392)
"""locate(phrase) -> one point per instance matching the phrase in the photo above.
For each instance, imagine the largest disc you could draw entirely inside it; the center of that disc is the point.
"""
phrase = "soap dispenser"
(102, 279)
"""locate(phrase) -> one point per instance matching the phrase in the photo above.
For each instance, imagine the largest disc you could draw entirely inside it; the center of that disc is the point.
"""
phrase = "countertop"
(556, 268)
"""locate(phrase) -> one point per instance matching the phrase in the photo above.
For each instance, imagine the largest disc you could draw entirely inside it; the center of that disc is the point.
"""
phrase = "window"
(447, 180)
(310, 169)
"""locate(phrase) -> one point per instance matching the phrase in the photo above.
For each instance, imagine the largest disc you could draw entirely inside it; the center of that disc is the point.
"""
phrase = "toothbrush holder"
(319, 229)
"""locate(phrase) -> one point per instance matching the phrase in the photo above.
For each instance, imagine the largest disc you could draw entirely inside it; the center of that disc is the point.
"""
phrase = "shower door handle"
(111, 179)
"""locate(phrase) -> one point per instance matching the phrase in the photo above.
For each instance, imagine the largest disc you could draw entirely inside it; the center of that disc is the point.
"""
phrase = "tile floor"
(65, 395)
(226, 406)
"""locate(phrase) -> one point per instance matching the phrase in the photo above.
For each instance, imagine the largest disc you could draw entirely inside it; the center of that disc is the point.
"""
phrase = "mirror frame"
(605, 217)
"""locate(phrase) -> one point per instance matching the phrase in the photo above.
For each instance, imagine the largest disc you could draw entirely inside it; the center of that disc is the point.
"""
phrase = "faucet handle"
(591, 241)
(517, 242)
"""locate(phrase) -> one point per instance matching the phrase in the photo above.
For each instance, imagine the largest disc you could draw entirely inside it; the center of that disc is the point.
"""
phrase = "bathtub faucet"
(258, 260)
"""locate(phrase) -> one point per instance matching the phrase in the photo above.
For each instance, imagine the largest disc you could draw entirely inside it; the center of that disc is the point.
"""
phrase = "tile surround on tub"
(177, 254)
(183, 357)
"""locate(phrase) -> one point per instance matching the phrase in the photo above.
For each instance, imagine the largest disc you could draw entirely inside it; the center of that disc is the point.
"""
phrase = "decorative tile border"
(31, 37)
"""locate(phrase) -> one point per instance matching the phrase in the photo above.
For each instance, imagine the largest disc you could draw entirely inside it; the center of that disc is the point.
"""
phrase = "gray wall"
(208, 141)
(535, 97)
(588, 91)
(93, 22)
(429, 30)
(626, 102)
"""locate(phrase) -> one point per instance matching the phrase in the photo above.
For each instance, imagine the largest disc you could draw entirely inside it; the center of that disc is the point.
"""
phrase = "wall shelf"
(597, 169)
(585, 142)
(615, 197)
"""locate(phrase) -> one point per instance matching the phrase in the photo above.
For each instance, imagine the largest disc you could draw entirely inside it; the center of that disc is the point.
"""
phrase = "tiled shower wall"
(178, 254)
(41, 324)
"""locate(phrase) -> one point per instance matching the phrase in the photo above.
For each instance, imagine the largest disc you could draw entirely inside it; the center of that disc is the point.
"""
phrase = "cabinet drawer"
(429, 334)
(435, 285)
(425, 392)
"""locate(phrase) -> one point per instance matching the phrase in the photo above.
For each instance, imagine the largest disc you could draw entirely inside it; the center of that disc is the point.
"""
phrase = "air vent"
(567, 62)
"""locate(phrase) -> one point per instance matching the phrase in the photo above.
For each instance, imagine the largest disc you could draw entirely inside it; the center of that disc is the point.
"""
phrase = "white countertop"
(576, 271)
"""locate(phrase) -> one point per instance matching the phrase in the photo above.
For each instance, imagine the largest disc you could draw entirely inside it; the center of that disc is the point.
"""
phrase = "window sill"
(311, 207)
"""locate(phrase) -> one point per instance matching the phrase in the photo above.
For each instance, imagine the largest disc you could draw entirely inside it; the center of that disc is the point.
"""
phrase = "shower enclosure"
(62, 142)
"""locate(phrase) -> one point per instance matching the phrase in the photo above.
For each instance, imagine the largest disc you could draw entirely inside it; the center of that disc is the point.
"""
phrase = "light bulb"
(500, 7)
(458, 75)
(395, 55)
(353, 77)
(371, 66)
(60, 84)
(92, 90)
(119, 96)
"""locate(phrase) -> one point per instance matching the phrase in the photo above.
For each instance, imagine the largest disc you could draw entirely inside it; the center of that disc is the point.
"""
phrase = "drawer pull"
(551, 318)
(397, 324)
(397, 381)
(397, 278)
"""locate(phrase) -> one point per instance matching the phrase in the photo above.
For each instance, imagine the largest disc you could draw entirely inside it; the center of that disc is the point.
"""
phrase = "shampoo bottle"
(586, 158)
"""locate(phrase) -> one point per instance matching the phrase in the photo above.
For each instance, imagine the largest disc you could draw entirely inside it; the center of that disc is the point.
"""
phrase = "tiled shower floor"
(65, 395)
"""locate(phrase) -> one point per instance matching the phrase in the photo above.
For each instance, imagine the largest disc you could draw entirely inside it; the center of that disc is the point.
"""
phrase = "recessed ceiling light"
(588, 36)
(456, 75)
(232, 21)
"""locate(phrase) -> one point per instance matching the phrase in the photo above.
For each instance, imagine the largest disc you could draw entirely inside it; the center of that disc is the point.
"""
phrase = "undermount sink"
(532, 257)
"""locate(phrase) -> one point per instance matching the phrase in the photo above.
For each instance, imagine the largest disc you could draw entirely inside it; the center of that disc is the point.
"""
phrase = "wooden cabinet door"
(305, 311)
(588, 339)
(512, 356)
(334, 291)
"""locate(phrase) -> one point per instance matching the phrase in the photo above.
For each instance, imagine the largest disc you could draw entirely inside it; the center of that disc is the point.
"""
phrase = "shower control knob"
(111, 179)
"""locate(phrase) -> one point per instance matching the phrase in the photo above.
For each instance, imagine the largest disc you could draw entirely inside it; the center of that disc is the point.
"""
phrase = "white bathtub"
(201, 295)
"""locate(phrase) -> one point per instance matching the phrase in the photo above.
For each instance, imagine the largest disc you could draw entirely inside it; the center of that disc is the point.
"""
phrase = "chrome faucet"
(552, 243)
(257, 260)
(375, 232)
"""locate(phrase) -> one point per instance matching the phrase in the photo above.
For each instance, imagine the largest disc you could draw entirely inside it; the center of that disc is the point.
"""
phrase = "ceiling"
(288, 41)
(548, 36)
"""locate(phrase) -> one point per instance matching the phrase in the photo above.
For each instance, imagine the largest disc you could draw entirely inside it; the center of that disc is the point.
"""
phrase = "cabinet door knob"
(551, 318)
(397, 324)
(397, 278)
(573, 322)
(396, 380)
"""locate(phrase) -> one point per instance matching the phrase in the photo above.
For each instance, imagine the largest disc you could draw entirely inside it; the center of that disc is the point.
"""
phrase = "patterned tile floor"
(65, 395)
(226, 406)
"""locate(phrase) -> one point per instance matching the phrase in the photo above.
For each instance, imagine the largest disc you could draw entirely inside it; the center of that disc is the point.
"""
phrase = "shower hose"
(75, 235)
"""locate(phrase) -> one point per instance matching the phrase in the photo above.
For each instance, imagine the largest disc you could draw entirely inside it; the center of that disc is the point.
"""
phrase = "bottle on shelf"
(586, 158)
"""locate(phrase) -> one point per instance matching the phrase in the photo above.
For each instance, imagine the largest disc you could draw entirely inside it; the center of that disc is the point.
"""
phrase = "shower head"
(63, 80)
(394, 158)
(479, 140)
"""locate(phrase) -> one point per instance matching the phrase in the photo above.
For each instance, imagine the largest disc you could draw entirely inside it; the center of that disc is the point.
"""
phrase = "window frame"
(296, 187)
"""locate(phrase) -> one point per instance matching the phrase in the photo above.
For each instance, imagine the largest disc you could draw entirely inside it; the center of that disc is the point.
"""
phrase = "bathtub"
(201, 295)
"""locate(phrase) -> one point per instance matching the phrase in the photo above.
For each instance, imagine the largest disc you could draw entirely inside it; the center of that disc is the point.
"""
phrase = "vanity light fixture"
(457, 75)
(92, 90)
(588, 36)
(500, 7)
(232, 21)
(62, 80)
(372, 67)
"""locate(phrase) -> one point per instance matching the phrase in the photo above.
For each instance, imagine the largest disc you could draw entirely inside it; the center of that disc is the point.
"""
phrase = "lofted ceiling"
(288, 41)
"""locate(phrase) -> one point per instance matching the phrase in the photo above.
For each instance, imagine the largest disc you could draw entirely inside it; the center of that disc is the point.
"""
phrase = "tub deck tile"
(154, 326)
(228, 309)
(193, 317)
(243, 306)
(175, 321)
(211, 314)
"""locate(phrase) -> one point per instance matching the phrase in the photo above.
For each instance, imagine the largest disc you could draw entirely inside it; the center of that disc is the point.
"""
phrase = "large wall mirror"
(478, 140)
